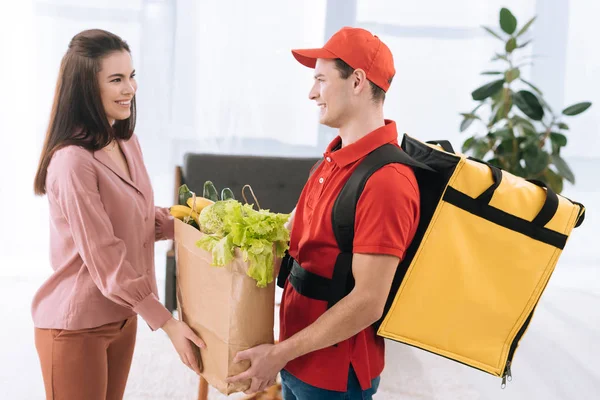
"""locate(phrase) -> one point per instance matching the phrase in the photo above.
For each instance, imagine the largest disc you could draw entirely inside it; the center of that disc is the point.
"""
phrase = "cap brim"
(308, 57)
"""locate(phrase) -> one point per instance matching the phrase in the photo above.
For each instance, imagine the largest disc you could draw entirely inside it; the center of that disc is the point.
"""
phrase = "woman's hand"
(184, 339)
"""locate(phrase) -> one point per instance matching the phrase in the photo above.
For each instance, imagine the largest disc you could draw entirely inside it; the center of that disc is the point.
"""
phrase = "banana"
(200, 203)
(181, 212)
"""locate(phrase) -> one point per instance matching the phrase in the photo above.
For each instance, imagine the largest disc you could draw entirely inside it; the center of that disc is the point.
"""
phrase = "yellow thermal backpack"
(485, 248)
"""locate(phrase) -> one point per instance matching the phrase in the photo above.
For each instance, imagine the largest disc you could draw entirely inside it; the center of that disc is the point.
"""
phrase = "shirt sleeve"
(75, 189)
(387, 213)
(163, 224)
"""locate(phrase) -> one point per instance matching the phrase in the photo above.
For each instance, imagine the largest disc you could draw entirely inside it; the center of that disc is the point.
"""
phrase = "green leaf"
(480, 148)
(557, 141)
(563, 168)
(553, 180)
(529, 104)
(468, 144)
(555, 148)
(499, 57)
(493, 120)
(531, 85)
(517, 170)
(545, 104)
(464, 125)
(577, 108)
(536, 160)
(504, 133)
(495, 162)
(562, 125)
(512, 74)
(529, 138)
(508, 22)
(480, 151)
(526, 26)
(492, 32)
(520, 121)
(477, 146)
(477, 108)
(507, 148)
(497, 98)
(524, 44)
(511, 44)
(558, 138)
(487, 90)
(468, 120)
(491, 73)
(505, 104)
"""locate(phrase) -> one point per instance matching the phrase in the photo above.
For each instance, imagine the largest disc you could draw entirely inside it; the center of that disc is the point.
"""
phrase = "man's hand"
(183, 339)
(266, 360)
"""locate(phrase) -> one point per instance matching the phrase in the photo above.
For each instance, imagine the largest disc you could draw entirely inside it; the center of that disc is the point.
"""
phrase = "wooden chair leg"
(203, 389)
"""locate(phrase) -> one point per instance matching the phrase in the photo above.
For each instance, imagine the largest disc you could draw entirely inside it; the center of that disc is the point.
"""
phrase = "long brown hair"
(77, 116)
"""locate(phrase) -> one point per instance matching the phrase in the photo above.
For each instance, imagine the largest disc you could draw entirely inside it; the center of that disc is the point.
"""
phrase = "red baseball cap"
(358, 48)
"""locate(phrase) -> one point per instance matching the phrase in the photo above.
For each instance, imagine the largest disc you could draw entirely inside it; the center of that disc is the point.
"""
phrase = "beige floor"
(558, 358)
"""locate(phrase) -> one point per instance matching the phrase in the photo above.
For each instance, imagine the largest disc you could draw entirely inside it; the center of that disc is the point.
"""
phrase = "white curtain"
(241, 91)
(24, 219)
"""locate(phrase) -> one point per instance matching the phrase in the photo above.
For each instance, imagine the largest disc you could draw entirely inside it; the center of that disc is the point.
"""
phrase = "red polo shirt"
(387, 215)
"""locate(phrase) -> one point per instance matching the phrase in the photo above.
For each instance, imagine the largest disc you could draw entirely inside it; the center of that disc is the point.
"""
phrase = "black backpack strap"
(284, 269)
(344, 212)
(287, 261)
(344, 208)
(343, 216)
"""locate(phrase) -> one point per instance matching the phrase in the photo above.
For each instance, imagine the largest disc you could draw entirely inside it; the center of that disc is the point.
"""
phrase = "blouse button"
(321, 180)
(328, 159)
(145, 244)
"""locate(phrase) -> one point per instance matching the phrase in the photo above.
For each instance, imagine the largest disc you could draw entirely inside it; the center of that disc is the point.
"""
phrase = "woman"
(103, 224)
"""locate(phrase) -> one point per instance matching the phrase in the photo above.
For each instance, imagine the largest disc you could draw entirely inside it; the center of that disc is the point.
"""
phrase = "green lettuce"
(229, 224)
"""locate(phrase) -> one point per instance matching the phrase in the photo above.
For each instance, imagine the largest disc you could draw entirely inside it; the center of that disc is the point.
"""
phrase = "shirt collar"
(359, 149)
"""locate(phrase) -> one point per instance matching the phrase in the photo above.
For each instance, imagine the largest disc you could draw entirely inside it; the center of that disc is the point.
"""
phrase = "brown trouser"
(87, 364)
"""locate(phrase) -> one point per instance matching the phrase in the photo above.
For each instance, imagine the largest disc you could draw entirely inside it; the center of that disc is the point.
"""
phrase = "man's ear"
(359, 78)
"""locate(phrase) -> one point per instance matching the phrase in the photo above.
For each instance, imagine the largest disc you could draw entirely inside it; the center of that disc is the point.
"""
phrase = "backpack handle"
(488, 193)
(445, 144)
(550, 205)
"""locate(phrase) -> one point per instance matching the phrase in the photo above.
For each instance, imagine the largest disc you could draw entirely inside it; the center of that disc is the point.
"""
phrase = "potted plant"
(523, 135)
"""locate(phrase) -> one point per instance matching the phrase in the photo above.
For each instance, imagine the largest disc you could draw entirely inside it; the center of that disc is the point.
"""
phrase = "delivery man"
(334, 353)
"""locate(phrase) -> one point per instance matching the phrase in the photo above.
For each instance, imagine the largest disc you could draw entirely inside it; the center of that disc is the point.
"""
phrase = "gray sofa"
(276, 182)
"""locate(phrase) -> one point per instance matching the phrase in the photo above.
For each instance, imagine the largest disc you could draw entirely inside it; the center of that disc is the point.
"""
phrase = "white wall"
(207, 85)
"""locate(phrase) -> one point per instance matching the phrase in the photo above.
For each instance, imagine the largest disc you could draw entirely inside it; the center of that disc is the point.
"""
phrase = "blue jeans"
(294, 389)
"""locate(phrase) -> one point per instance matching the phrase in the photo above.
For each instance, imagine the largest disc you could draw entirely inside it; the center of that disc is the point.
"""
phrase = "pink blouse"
(103, 226)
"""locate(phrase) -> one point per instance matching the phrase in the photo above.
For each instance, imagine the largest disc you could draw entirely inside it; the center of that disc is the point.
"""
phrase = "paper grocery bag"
(223, 306)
